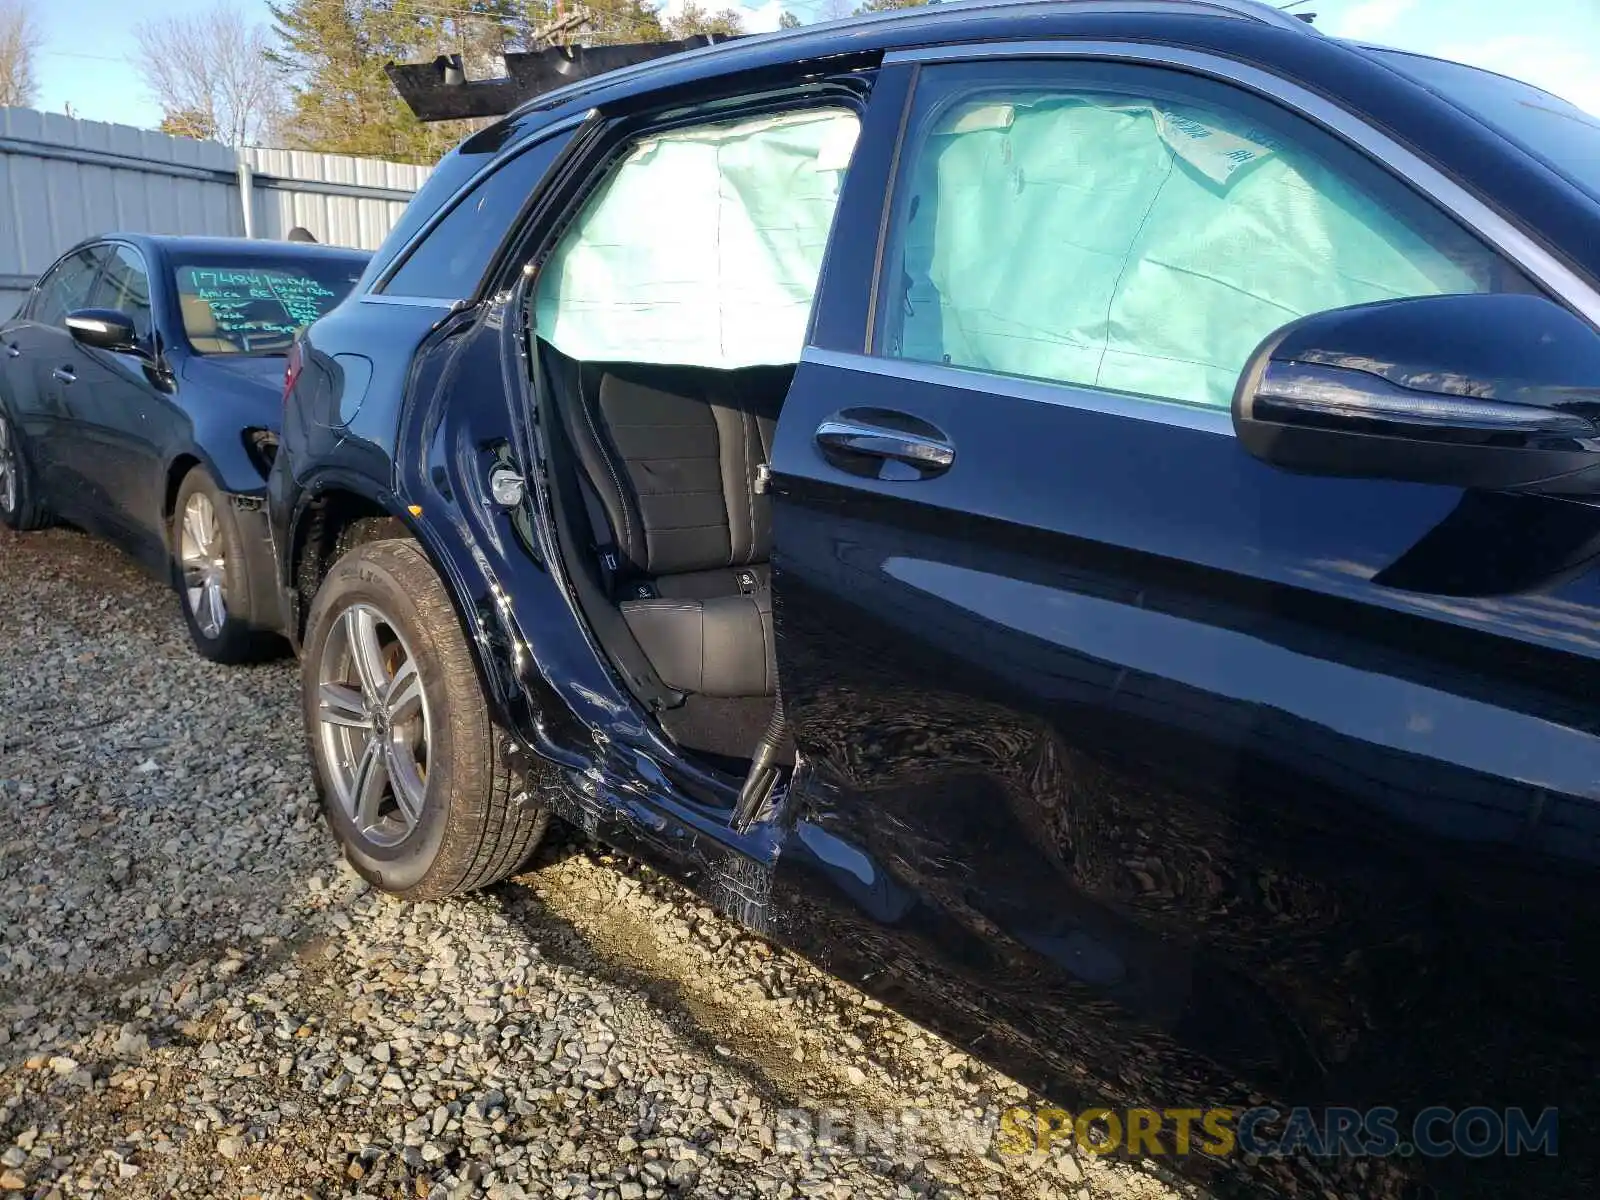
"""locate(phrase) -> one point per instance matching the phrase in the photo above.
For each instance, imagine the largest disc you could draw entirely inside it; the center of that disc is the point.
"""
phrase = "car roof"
(1259, 36)
(168, 245)
(930, 24)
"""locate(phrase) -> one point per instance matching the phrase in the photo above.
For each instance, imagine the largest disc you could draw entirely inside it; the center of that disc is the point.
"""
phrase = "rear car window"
(703, 245)
(449, 262)
(256, 306)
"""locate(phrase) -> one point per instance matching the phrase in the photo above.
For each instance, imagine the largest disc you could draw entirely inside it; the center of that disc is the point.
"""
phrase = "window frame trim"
(1062, 394)
(1496, 231)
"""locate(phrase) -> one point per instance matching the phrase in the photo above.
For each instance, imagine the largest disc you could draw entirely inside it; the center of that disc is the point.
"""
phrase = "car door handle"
(12, 351)
(853, 442)
(65, 375)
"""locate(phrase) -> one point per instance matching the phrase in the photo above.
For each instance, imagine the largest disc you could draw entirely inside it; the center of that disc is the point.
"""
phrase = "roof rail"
(440, 91)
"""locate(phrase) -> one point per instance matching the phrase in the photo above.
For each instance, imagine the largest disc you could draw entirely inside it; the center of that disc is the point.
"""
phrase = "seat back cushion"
(672, 454)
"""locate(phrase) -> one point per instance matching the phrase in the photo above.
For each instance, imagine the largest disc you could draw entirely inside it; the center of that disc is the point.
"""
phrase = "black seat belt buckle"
(644, 590)
(748, 585)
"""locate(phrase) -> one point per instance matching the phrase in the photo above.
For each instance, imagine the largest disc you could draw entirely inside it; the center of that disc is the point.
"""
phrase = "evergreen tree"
(335, 51)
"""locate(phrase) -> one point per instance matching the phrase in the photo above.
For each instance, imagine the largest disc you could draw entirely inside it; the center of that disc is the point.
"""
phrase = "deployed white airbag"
(702, 247)
(1145, 249)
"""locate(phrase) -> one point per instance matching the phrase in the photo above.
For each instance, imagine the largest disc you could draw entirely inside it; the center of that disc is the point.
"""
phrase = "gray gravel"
(197, 998)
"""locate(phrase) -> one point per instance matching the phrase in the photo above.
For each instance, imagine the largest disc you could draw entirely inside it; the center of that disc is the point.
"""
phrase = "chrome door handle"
(877, 441)
(64, 374)
(12, 351)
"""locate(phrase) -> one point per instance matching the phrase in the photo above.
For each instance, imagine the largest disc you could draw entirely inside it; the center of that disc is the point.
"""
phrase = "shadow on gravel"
(562, 943)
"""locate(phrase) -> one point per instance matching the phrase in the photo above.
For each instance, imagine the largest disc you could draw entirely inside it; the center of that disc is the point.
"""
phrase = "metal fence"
(62, 180)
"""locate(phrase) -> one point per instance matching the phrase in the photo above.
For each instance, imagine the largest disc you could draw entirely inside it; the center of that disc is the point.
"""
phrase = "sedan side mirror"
(1497, 391)
(104, 329)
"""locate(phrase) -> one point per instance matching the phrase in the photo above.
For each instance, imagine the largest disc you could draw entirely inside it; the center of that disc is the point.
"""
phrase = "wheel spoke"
(406, 780)
(8, 470)
(216, 609)
(404, 696)
(340, 704)
(194, 527)
(361, 631)
(367, 788)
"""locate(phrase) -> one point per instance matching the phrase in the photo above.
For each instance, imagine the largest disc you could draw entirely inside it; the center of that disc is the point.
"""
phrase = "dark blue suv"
(1080, 517)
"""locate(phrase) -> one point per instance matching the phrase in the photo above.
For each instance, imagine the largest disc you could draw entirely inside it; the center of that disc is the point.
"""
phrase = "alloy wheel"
(8, 468)
(373, 725)
(204, 560)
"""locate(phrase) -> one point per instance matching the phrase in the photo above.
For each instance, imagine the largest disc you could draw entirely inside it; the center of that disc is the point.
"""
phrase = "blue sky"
(1552, 43)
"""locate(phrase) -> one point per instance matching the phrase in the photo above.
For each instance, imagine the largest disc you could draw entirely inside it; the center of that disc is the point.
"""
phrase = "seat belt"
(600, 535)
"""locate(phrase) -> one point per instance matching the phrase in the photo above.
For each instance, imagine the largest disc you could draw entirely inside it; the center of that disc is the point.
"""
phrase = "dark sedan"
(141, 388)
(1082, 517)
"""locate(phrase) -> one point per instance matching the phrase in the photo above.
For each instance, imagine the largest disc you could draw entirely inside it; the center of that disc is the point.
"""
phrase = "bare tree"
(211, 75)
(20, 40)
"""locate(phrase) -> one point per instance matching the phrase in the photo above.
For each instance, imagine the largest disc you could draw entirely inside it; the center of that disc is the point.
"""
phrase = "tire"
(211, 575)
(444, 817)
(20, 508)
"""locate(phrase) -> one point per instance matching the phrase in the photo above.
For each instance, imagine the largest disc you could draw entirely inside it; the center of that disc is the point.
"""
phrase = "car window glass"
(1134, 230)
(703, 245)
(255, 303)
(66, 287)
(450, 260)
(125, 286)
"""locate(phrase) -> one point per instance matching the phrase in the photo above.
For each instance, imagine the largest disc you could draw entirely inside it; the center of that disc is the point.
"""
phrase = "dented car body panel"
(1155, 774)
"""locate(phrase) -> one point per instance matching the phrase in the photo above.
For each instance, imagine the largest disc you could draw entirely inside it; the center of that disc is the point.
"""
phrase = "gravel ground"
(198, 999)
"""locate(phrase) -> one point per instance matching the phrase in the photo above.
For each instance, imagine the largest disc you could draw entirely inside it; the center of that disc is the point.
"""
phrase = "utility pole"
(556, 32)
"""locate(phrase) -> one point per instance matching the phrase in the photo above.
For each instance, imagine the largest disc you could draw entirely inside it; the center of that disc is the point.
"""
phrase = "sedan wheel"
(212, 573)
(8, 468)
(18, 507)
(204, 559)
(373, 718)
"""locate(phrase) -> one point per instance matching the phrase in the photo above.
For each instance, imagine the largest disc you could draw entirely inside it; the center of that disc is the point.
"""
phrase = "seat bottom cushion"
(717, 646)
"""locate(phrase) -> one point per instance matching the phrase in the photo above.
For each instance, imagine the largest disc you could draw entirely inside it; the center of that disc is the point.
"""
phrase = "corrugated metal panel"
(62, 180)
(358, 204)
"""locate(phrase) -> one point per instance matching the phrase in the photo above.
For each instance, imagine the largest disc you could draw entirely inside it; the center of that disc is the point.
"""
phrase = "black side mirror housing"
(104, 329)
(1495, 391)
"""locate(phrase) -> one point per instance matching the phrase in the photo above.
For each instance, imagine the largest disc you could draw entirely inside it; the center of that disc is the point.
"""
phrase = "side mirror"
(104, 329)
(1498, 391)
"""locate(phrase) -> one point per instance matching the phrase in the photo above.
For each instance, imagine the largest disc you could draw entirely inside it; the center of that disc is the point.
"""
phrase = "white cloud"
(763, 18)
(758, 18)
(1546, 62)
(1367, 21)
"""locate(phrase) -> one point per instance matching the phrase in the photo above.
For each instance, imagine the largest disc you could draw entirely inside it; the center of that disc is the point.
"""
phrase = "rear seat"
(670, 456)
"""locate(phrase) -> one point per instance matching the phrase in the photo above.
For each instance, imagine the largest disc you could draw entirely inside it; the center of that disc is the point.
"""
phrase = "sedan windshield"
(256, 306)
(1563, 135)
